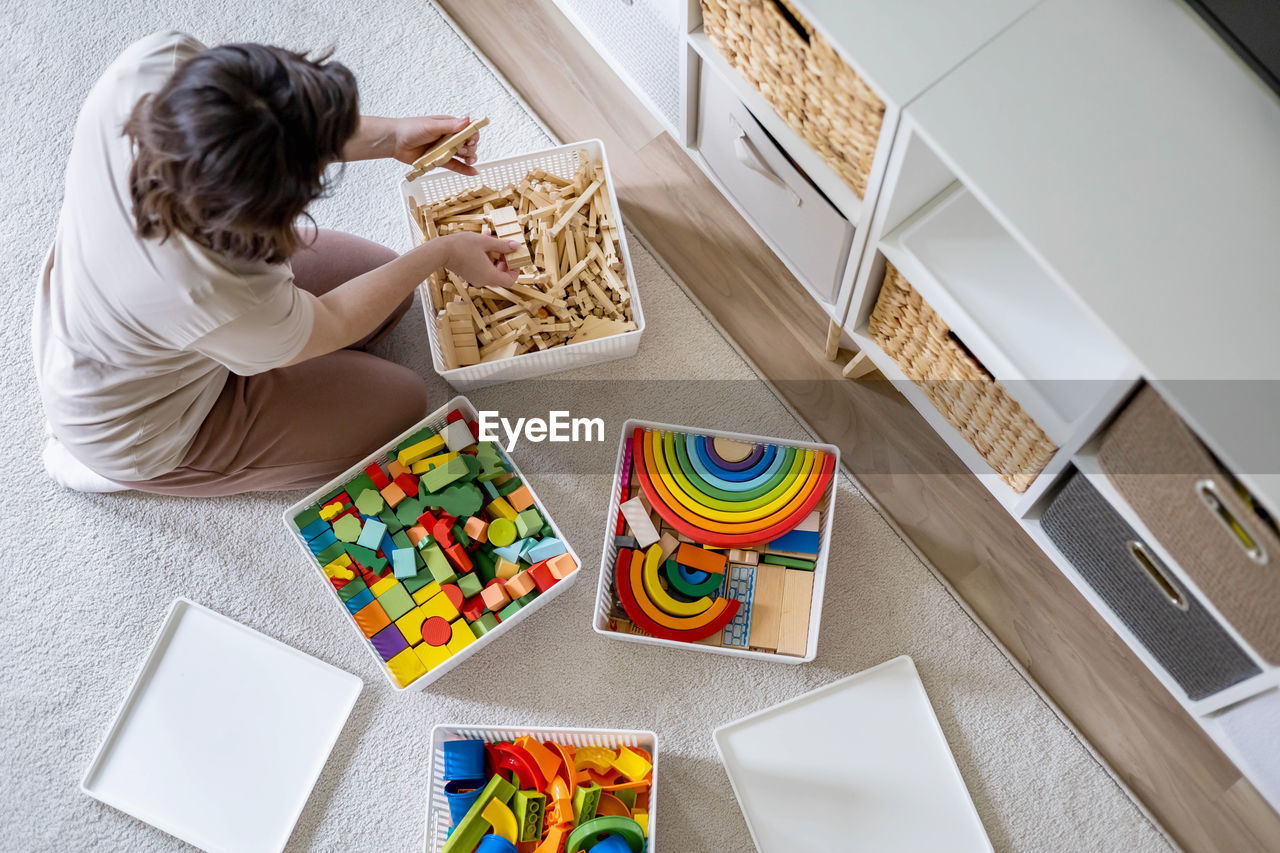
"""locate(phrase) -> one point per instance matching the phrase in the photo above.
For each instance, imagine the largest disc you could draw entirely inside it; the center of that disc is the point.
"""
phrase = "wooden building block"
(638, 521)
(797, 603)
(701, 559)
(766, 608)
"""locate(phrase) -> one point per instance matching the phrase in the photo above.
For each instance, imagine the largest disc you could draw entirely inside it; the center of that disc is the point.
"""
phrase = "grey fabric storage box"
(1181, 635)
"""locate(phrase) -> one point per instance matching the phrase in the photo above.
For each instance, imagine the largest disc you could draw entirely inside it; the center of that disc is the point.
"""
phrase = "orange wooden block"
(495, 597)
(395, 469)
(521, 498)
(562, 565)
(393, 494)
(372, 618)
(700, 559)
(520, 585)
(416, 534)
(476, 528)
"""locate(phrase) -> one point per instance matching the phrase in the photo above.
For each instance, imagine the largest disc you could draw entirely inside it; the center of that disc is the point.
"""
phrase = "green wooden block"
(441, 476)
(461, 536)
(490, 461)
(401, 539)
(469, 583)
(441, 569)
(396, 601)
(417, 582)
(467, 834)
(421, 435)
(486, 623)
(586, 799)
(352, 589)
(333, 494)
(530, 808)
(510, 610)
(333, 552)
(509, 486)
(528, 522)
(789, 562)
(305, 517)
(409, 510)
(525, 599)
(460, 499)
(486, 566)
(376, 565)
(362, 555)
(369, 501)
(347, 528)
(388, 517)
(546, 532)
(360, 483)
(473, 466)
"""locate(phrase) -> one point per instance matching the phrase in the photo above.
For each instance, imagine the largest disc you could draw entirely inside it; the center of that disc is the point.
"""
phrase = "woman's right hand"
(468, 255)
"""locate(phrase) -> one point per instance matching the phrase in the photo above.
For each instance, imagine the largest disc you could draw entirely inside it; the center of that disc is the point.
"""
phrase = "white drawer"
(777, 199)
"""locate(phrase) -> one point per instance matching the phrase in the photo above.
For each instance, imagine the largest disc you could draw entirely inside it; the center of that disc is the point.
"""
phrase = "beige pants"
(297, 427)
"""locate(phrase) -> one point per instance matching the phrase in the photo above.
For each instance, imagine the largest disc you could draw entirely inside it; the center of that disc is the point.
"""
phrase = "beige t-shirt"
(134, 338)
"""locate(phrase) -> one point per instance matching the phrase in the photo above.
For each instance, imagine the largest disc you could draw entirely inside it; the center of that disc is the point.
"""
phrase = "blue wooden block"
(693, 576)
(387, 545)
(798, 542)
(371, 535)
(545, 550)
(512, 551)
(314, 529)
(490, 489)
(403, 564)
(527, 546)
(324, 540)
(357, 602)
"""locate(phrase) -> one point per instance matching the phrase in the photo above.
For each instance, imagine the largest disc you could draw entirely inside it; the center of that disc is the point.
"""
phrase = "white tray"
(223, 734)
(604, 590)
(438, 820)
(860, 764)
(563, 162)
(435, 420)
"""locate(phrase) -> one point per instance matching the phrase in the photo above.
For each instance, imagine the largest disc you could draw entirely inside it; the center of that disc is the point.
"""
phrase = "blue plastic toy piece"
(464, 759)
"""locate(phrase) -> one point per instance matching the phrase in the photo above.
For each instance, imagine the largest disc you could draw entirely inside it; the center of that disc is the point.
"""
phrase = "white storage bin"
(436, 420)
(438, 819)
(826, 506)
(562, 162)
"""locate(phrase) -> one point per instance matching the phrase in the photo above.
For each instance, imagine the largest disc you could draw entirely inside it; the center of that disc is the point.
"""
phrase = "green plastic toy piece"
(470, 584)
(467, 834)
(789, 562)
(588, 834)
(693, 590)
(627, 796)
(586, 800)
(441, 569)
(530, 808)
(459, 499)
(437, 478)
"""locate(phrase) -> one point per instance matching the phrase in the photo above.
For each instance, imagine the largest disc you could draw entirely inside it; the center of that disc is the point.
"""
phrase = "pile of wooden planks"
(572, 285)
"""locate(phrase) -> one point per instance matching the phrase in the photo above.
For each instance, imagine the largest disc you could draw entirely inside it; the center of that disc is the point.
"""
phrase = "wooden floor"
(1181, 776)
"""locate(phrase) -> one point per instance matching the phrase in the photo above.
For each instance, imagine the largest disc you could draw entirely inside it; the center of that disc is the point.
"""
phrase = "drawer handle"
(750, 157)
(1208, 492)
(1149, 564)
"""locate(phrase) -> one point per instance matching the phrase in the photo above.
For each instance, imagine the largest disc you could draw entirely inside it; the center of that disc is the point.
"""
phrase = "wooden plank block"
(766, 607)
(797, 602)
(443, 151)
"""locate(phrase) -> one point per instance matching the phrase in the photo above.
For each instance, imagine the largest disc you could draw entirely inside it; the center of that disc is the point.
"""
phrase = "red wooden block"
(379, 477)
(459, 557)
(339, 583)
(427, 520)
(442, 530)
(454, 595)
(542, 577)
(436, 631)
(473, 608)
(408, 483)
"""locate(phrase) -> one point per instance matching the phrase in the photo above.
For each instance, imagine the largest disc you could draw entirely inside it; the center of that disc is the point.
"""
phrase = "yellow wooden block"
(427, 593)
(382, 586)
(506, 569)
(410, 626)
(499, 508)
(430, 656)
(340, 568)
(439, 605)
(328, 512)
(462, 637)
(406, 667)
(417, 452)
(424, 465)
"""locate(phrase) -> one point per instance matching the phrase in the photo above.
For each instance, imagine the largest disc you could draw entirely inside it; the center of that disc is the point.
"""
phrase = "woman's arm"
(407, 139)
(352, 310)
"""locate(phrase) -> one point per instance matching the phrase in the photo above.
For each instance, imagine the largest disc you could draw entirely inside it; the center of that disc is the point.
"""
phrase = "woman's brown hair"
(233, 148)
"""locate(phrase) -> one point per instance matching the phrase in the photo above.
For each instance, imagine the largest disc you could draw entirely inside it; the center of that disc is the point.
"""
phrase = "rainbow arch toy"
(653, 609)
(728, 504)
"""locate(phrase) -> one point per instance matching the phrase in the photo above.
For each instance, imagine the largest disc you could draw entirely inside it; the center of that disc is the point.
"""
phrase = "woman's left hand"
(415, 137)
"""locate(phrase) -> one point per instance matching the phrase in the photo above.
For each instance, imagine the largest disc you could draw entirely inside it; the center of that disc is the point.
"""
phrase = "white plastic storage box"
(436, 420)
(825, 507)
(562, 162)
(439, 822)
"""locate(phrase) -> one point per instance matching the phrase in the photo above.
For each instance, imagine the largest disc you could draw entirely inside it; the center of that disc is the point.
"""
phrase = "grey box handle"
(1208, 492)
(1154, 570)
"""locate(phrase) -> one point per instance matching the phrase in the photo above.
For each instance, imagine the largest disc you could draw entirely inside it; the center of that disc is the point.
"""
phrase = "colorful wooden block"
(317, 526)
(457, 436)
(389, 642)
(486, 623)
(439, 567)
(502, 532)
(495, 596)
(436, 631)
(383, 585)
(562, 566)
(371, 535)
(359, 599)
(437, 478)
(425, 593)
(476, 528)
(396, 601)
(701, 559)
(797, 604)
(353, 589)
(372, 618)
(504, 569)
(520, 498)
(393, 494)
(440, 605)
(528, 522)
(421, 450)
(457, 555)
(403, 564)
(431, 656)
(747, 557)
(766, 607)
(521, 585)
(469, 583)
(545, 549)
(790, 562)
(542, 576)
(462, 637)
(370, 502)
(406, 667)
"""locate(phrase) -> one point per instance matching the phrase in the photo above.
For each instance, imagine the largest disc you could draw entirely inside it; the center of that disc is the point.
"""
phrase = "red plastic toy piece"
(521, 765)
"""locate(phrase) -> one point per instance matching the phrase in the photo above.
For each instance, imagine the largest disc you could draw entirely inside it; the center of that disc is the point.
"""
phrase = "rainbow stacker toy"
(541, 791)
(718, 540)
(433, 546)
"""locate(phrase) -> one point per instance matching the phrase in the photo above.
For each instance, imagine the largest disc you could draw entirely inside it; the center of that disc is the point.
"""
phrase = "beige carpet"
(89, 578)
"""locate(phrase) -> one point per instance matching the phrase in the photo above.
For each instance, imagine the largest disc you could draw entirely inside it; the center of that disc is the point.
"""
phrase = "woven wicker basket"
(914, 336)
(811, 88)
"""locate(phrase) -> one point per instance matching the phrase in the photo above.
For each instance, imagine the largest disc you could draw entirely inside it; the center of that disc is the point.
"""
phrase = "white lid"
(222, 735)
(860, 764)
